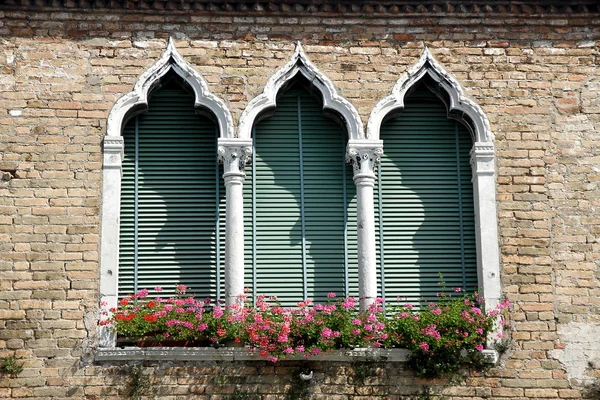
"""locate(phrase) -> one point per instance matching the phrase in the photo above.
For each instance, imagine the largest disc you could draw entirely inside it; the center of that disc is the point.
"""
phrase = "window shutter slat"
(424, 209)
(278, 199)
(177, 198)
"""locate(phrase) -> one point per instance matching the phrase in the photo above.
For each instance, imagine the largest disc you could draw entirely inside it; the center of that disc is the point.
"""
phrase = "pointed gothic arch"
(332, 101)
(429, 72)
(136, 101)
(445, 86)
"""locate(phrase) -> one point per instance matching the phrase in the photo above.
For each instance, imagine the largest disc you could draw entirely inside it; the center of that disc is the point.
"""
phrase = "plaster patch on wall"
(582, 350)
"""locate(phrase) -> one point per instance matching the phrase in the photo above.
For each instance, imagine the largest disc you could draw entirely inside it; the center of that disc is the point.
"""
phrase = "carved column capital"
(482, 158)
(234, 154)
(364, 155)
(113, 152)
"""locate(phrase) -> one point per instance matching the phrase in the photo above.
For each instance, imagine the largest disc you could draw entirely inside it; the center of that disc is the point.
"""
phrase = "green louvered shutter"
(426, 205)
(300, 205)
(177, 199)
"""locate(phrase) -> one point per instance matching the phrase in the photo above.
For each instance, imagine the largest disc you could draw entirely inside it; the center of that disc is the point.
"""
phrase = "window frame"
(363, 151)
(128, 106)
(463, 109)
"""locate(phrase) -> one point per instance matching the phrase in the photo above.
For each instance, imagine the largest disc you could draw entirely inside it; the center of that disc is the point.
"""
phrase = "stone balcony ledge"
(242, 354)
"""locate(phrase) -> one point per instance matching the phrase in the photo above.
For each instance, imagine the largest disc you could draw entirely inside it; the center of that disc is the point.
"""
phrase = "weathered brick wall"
(536, 77)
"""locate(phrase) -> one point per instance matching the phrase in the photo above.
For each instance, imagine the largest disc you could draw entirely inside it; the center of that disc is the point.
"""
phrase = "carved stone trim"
(482, 158)
(369, 8)
(113, 152)
(446, 86)
(365, 155)
(234, 154)
(137, 100)
(300, 63)
(242, 354)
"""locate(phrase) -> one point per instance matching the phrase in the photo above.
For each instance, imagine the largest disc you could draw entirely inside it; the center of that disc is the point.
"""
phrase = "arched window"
(440, 212)
(300, 203)
(171, 196)
(425, 202)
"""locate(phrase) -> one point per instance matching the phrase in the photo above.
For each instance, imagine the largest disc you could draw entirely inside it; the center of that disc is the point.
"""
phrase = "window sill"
(242, 354)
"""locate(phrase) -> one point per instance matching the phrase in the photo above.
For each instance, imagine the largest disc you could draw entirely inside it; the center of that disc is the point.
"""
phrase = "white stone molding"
(445, 86)
(486, 223)
(300, 64)
(136, 101)
(131, 104)
(461, 108)
(109, 249)
(234, 154)
(365, 155)
(233, 354)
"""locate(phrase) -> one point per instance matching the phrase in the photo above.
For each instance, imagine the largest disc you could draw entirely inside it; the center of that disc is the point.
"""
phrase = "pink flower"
(356, 332)
(479, 331)
(217, 312)
(158, 289)
(368, 327)
(499, 335)
(384, 336)
(282, 338)
(289, 350)
(356, 321)
(202, 327)
(404, 315)
(331, 295)
(476, 310)
(327, 333)
(181, 289)
(437, 311)
(457, 290)
(424, 346)
(314, 352)
(300, 349)
(478, 347)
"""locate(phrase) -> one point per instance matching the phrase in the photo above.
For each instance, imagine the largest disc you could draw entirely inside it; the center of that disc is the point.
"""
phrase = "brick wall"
(536, 77)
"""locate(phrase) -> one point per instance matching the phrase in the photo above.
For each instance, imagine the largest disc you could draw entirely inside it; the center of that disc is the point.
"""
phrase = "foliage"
(9, 365)
(444, 335)
(441, 337)
(138, 384)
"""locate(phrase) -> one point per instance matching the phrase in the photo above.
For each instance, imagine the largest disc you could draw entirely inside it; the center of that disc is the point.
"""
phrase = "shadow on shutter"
(176, 200)
(427, 213)
(303, 229)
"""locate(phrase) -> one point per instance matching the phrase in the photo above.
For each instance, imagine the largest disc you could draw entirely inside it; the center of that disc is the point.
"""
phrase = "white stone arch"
(131, 104)
(136, 101)
(300, 64)
(428, 71)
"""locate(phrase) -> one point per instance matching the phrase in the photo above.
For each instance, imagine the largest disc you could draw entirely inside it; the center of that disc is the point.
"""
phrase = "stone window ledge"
(242, 354)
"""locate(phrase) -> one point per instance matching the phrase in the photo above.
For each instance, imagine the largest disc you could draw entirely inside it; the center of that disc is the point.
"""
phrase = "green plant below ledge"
(9, 365)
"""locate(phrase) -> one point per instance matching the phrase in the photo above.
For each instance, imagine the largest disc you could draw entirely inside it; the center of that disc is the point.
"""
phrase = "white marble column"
(109, 237)
(488, 254)
(234, 153)
(364, 155)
